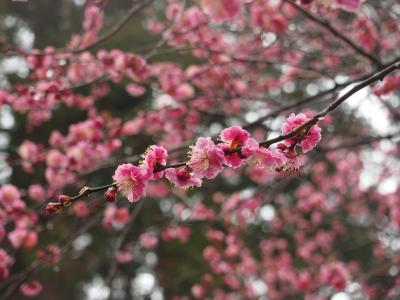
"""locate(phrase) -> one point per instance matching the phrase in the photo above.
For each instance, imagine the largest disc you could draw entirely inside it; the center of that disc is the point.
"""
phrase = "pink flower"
(93, 18)
(222, 10)
(181, 233)
(124, 257)
(250, 147)
(293, 160)
(148, 241)
(234, 138)
(267, 158)
(182, 178)
(198, 291)
(21, 237)
(31, 289)
(56, 159)
(350, 5)
(37, 193)
(5, 262)
(335, 274)
(81, 209)
(131, 181)
(10, 197)
(135, 89)
(29, 151)
(154, 157)
(206, 159)
(50, 255)
(310, 139)
(114, 216)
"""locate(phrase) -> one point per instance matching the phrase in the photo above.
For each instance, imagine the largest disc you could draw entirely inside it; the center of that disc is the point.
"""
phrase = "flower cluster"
(208, 158)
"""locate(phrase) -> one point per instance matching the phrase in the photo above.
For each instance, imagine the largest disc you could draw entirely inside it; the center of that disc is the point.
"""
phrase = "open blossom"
(206, 159)
(267, 158)
(181, 177)
(131, 181)
(222, 10)
(309, 140)
(93, 18)
(335, 274)
(234, 137)
(21, 237)
(36, 192)
(5, 262)
(124, 257)
(81, 209)
(114, 216)
(31, 289)
(293, 160)
(148, 241)
(180, 233)
(154, 157)
(10, 197)
(50, 255)
(29, 151)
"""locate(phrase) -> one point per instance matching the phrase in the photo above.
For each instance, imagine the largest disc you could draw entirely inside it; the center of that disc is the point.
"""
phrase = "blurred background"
(174, 267)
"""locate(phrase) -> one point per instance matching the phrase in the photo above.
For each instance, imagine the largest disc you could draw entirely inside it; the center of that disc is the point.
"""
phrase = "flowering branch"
(157, 158)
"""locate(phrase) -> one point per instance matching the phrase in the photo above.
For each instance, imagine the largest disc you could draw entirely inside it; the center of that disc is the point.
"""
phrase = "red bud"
(65, 200)
(111, 194)
(53, 207)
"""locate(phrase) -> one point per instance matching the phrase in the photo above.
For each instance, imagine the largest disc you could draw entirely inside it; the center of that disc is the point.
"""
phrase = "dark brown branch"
(377, 77)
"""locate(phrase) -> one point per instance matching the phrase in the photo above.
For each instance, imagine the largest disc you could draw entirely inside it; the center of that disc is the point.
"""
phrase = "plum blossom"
(293, 160)
(21, 237)
(222, 10)
(131, 181)
(154, 157)
(267, 158)
(350, 5)
(206, 159)
(81, 209)
(135, 90)
(30, 154)
(310, 138)
(10, 197)
(182, 178)
(31, 289)
(124, 256)
(37, 193)
(335, 274)
(180, 233)
(50, 255)
(114, 216)
(148, 241)
(93, 18)
(5, 262)
(234, 137)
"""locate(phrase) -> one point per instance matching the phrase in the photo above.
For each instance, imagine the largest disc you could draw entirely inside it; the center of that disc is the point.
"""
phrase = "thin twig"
(336, 33)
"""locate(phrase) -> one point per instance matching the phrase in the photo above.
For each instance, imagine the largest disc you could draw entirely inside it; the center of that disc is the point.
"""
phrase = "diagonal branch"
(336, 33)
(298, 130)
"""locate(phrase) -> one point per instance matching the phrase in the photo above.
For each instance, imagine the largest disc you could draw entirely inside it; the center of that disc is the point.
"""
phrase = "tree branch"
(336, 33)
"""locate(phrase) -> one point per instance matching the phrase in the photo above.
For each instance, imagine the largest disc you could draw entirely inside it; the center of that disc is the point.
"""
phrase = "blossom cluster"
(208, 158)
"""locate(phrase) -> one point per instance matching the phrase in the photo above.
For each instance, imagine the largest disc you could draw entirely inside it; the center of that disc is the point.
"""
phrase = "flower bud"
(53, 207)
(111, 194)
(65, 200)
